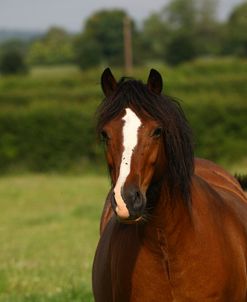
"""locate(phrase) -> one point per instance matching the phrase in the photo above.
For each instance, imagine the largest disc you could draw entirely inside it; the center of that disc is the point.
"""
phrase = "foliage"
(180, 49)
(12, 63)
(12, 58)
(14, 44)
(102, 39)
(236, 28)
(47, 118)
(155, 37)
(183, 30)
(181, 14)
(189, 25)
(55, 47)
(208, 33)
(88, 52)
(46, 138)
(211, 123)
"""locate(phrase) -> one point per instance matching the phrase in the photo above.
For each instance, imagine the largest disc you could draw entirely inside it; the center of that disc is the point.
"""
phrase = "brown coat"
(181, 254)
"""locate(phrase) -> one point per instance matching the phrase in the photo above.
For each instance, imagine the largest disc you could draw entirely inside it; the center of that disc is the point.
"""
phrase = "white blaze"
(130, 137)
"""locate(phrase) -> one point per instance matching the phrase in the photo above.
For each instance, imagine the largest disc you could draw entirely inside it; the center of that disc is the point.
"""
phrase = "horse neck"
(171, 217)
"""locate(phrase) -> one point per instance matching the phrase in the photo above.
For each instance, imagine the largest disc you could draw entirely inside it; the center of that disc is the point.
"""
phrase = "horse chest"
(130, 269)
(132, 265)
(150, 278)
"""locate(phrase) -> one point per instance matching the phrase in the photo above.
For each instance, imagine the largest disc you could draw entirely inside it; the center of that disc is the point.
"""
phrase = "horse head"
(147, 140)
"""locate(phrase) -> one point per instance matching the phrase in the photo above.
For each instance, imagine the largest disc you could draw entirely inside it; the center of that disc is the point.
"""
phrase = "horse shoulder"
(219, 215)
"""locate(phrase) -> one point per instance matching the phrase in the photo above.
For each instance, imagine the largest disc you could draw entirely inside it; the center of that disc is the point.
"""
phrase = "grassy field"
(48, 234)
(49, 231)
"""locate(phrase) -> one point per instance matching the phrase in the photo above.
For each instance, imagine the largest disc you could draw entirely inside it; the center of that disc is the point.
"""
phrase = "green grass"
(48, 233)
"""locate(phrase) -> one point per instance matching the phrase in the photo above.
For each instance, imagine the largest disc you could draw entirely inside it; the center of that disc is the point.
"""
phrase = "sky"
(71, 14)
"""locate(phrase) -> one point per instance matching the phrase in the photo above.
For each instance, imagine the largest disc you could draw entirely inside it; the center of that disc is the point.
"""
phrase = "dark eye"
(104, 136)
(157, 132)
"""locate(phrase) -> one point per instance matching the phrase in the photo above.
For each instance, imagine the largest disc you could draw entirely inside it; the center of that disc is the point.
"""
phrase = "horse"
(173, 227)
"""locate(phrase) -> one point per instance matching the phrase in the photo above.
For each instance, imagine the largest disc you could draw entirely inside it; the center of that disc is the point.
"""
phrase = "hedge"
(48, 138)
(220, 131)
(47, 121)
(45, 139)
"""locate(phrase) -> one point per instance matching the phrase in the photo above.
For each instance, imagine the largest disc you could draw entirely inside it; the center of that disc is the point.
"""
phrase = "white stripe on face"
(130, 137)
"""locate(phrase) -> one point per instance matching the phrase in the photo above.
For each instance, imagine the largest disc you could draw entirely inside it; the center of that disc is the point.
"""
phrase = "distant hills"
(6, 34)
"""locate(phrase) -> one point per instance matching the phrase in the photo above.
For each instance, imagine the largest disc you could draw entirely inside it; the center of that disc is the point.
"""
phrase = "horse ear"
(155, 82)
(108, 82)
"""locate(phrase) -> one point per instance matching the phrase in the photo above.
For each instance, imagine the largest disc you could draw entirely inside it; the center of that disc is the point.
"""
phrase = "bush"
(180, 49)
(47, 124)
(58, 138)
(88, 53)
(46, 139)
(55, 47)
(220, 131)
(12, 62)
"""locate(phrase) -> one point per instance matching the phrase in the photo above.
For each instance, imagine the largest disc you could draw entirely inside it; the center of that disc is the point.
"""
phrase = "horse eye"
(104, 136)
(157, 132)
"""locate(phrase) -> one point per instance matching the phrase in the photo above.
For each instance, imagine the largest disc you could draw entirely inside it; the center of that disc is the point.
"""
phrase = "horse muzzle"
(132, 205)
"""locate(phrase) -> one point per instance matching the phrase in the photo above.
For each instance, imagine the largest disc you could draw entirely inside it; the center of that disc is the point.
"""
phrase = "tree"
(88, 52)
(102, 39)
(181, 18)
(181, 14)
(181, 48)
(12, 62)
(236, 29)
(12, 57)
(155, 37)
(182, 30)
(55, 47)
(208, 30)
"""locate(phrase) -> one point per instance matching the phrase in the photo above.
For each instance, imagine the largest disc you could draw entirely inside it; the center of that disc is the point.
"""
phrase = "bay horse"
(173, 227)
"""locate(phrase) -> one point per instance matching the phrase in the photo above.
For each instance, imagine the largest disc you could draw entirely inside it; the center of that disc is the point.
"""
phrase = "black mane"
(177, 133)
(242, 179)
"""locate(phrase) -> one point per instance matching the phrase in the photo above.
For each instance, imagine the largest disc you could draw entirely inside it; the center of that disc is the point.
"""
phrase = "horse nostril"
(137, 202)
(137, 195)
(133, 196)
